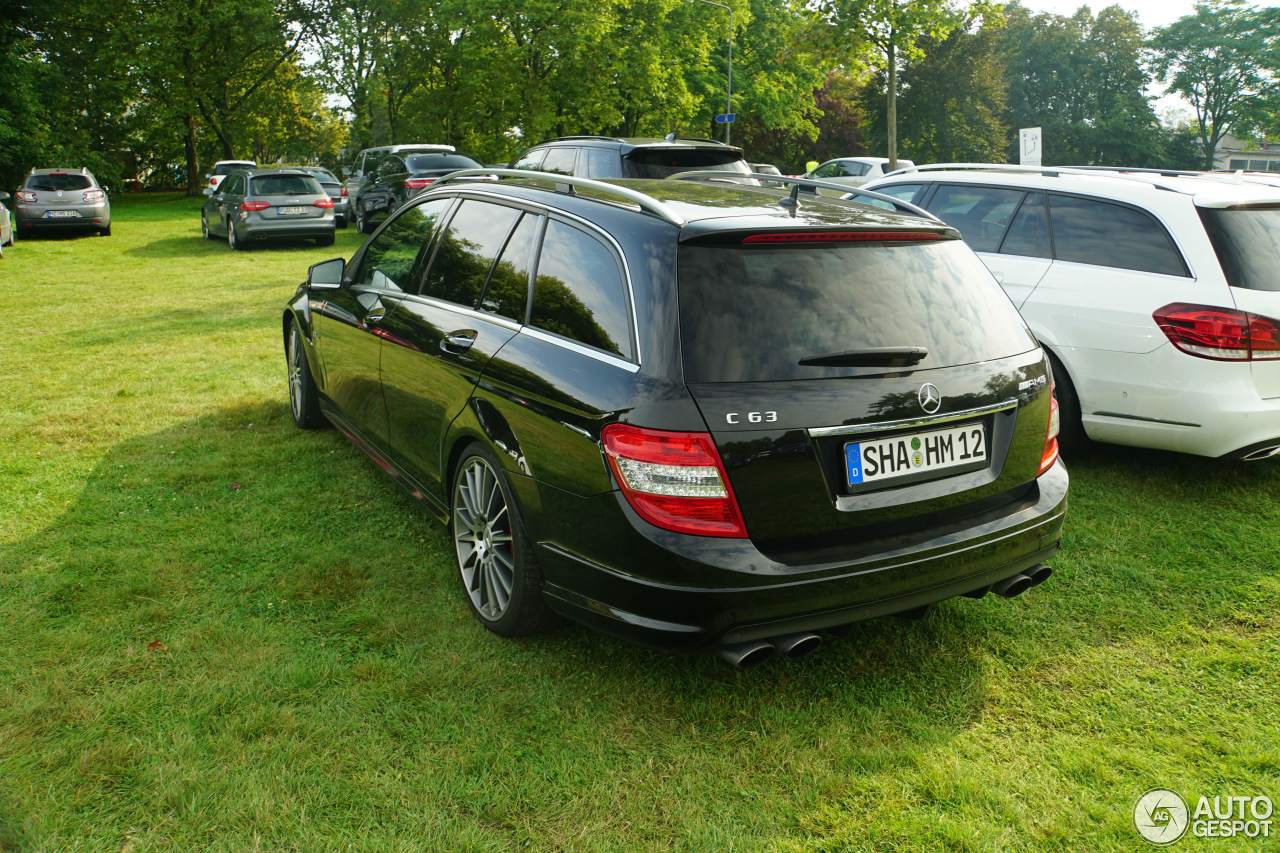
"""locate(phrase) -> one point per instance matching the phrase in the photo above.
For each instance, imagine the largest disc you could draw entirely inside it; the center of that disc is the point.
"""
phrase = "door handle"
(458, 342)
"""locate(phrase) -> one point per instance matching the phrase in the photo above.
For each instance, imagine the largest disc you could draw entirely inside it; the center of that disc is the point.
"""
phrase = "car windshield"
(1247, 241)
(431, 162)
(50, 183)
(751, 313)
(663, 162)
(285, 185)
(228, 168)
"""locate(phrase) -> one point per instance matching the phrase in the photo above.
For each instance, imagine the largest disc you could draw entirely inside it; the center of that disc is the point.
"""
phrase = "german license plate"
(291, 211)
(62, 214)
(918, 453)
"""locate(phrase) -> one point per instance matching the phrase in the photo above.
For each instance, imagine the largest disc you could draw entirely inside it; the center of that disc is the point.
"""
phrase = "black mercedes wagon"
(693, 413)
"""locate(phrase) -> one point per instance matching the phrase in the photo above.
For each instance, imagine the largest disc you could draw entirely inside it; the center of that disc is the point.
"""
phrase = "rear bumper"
(91, 216)
(285, 230)
(759, 598)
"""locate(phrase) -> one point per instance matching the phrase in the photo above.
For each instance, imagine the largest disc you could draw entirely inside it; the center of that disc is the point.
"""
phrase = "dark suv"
(690, 413)
(605, 157)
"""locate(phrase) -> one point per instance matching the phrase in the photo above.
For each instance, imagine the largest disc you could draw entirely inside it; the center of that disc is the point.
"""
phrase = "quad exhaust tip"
(752, 654)
(1023, 581)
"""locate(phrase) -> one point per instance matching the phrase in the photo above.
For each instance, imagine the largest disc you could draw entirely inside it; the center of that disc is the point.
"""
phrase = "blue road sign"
(726, 118)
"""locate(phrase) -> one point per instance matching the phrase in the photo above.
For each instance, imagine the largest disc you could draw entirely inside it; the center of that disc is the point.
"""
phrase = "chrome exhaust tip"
(747, 655)
(1264, 453)
(797, 645)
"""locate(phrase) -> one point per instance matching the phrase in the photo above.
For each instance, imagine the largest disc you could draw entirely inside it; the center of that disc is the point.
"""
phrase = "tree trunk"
(193, 162)
(892, 112)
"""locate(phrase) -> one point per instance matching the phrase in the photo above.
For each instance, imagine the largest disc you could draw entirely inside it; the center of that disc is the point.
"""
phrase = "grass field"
(217, 632)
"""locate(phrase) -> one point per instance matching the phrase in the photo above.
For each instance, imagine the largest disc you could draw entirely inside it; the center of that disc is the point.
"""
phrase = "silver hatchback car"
(62, 199)
(268, 204)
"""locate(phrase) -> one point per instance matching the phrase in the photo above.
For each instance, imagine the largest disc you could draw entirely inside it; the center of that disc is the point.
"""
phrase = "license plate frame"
(291, 211)
(62, 214)
(929, 454)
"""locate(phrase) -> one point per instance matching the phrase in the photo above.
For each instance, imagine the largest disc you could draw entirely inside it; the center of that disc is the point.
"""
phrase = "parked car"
(337, 191)
(603, 157)
(221, 169)
(853, 171)
(367, 161)
(268, 204)
(400, 177)
(852, 419)
(765, 169)
(62, 199)
(6, 224)
(1156, 295)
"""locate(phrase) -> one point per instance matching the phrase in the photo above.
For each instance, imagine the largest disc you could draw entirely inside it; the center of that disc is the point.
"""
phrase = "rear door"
(805, 445)
(443, 334)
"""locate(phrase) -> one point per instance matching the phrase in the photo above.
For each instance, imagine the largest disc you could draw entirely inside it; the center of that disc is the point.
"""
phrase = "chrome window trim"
(581, 349)
(445, 305)
(908, 423)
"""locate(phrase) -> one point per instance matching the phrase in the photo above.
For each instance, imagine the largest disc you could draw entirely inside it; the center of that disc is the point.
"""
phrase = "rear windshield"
(286, 185)
(58, 182)
(750, 314)
(428, 162)
(1247, 241)
(661, 162)
(323, 176)
(228, 168)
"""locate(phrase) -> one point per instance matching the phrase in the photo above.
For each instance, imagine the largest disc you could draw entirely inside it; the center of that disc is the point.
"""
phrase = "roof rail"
(598, 137)
(646, 203)
(711, 175)
(1045, 171)
(1164, 173)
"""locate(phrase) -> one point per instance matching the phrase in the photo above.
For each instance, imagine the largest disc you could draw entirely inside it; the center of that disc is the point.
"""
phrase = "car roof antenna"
(791, 202)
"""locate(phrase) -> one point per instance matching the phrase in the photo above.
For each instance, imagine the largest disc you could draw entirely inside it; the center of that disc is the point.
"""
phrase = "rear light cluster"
(94, 195)
(674, 480)
(1220, 334)
(23, 195)
(418, 183)
(343, 192)
(1050, 453)
(794, 237)
(323, 203)
(254, 206)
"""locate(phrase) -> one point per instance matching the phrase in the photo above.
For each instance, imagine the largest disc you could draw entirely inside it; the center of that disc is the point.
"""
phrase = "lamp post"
(728, 100)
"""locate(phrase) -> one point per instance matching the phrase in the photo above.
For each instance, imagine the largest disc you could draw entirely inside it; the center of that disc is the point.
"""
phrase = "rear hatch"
(59, 190)
(1247, 241)
(288, 197)
(425, 169)
(927, 403)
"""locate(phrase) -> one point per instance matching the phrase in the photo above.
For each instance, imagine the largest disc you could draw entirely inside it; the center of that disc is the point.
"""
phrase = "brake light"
(254, 206)
(325, 203)
(213, 180)
(418, 183)
(1219, 334)
(1050, 453)
(674, 480)
(343, 192)
(94, 195)
(28, 197)
(843, 237)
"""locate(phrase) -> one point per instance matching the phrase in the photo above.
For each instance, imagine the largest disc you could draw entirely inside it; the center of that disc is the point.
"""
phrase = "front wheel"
(304, 399)
(495, 560)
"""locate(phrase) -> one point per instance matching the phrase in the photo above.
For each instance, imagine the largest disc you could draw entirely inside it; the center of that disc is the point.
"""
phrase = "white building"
(1234, 154)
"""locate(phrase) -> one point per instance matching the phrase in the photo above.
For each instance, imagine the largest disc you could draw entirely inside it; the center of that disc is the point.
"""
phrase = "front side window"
(507, 294)
(390, 258)
(466, 252)
(1029, 234)
(1087, 231)
(980, 214)
(580, 293)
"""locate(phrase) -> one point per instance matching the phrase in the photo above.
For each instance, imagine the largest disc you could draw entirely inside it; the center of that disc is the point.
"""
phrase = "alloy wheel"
(295, 373)
(204, 226)
(482, 536)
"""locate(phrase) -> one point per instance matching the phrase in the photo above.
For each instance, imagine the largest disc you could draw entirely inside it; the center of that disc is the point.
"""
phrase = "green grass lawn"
(219, 632)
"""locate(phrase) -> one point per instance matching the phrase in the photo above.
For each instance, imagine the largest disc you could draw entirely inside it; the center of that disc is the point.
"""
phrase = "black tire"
(325, 241)
(363, 225)
(1071, 434)
(204, 228)
(526, 611)
(104, 232)
(233, 239)
(304, 397)
(340, 222)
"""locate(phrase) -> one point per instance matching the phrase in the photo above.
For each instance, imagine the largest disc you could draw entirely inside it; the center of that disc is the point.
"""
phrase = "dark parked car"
(365, 165)
(268, 204)
(62, 199)
(336, 190)
(853, 420)
(400, 177)
(604, 157)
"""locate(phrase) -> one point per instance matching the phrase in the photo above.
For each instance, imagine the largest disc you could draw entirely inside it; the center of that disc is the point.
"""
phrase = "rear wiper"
(869, 357)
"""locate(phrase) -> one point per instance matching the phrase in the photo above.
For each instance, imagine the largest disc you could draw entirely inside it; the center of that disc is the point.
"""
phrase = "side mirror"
(327, 275)
(207, 191)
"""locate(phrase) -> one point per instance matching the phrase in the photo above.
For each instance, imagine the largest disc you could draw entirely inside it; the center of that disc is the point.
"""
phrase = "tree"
(1224, 59)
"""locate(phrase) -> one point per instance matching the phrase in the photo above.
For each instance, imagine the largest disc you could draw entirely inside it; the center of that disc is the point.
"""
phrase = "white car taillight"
(1050, 453)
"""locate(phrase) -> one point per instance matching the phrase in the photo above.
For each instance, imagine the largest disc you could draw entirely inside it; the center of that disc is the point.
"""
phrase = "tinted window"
(286, 185)
(49, 183)
(430, 162)
(1248, 245)
(324, 176)
(579, 292)
(980, 214)
(828, 170)
(233, 185)
(508, 290)
(902, 192)
(466, 251)
(228, 168)
(389, 260)
(532, 160)
(1029, 234)
(854, 169)
(752, 313)
(599, 163)
(390, 166)
(1110, 235)
(560, 160)
(661, 162)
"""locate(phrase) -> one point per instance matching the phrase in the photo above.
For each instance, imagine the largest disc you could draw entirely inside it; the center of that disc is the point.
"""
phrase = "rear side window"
(532, 160)
(52, 183)
(599, 163)
(560, 160)
(1247, 241)
(751, 313)
(580, 293)
(466, 252)
(285, 185)
(233, 185)
(661, 162)
(1086, 231)
(902, 192)
(1029, 234)
(390, 258)
(980, 214)
(508, 292)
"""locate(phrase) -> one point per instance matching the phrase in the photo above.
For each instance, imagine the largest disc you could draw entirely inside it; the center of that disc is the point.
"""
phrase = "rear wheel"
(495, 558)
(304, 399)
(232, 240)
(326, 240)
(340, 222)
(1071, 434)
(104, 232)
(204, 227)
(363, 225)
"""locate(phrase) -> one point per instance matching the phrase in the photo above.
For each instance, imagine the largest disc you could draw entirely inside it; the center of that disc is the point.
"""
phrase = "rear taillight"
(94, 195)
(343, 192)
(793, 237)
(1050, 453)
(213, 181)
(674, 480)
(254, 206)
(418, 183)
(24, 196)
(325, 203)
(1220, 334)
